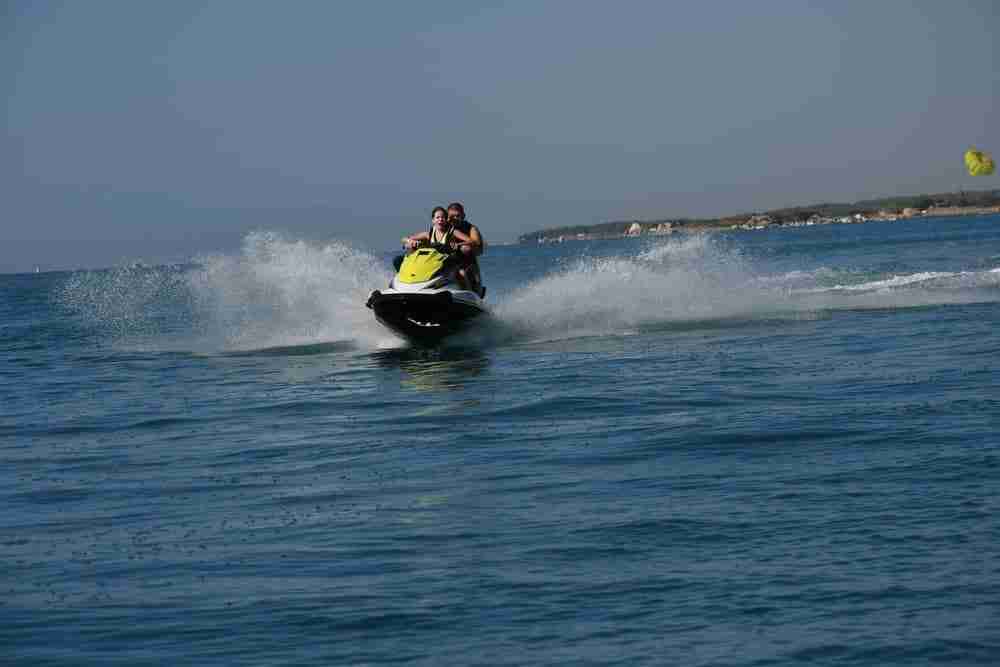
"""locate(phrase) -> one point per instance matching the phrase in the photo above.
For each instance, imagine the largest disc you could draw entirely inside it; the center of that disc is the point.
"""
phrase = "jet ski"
(424, 301)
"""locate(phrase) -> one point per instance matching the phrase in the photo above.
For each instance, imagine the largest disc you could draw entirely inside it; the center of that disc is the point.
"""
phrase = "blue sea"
(778, 447)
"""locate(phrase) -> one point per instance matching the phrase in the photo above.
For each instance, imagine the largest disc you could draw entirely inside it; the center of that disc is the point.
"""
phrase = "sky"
(138, 130)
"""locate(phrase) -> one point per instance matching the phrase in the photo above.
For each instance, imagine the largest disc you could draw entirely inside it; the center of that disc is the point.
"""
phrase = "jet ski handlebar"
(442, 248)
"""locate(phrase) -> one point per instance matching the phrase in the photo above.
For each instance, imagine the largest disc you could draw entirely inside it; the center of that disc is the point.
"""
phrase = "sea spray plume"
(278, 292)
(695, 278)
(275, 292)
(135, 305)
(706, 279)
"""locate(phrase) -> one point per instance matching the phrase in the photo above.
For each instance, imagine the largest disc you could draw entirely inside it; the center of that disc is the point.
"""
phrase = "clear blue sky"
(137, 129)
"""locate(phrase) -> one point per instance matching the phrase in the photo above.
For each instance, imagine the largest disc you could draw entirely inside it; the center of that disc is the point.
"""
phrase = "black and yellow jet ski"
(424, 302)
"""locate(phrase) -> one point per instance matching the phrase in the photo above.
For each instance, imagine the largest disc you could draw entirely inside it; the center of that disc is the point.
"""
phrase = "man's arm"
(477, 246)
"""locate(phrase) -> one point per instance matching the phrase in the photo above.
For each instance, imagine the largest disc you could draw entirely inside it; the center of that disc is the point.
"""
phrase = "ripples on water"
(774, 448)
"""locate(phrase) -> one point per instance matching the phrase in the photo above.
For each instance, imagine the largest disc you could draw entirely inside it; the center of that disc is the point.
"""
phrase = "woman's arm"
(414, 240)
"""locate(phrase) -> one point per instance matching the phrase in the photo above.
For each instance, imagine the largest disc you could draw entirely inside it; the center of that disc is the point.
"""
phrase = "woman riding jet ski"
(428, 298)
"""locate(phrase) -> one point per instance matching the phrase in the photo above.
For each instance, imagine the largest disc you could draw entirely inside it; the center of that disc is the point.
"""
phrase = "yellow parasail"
(979, 163)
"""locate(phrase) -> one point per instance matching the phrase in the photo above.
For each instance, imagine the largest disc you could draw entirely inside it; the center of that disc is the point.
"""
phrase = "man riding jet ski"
(428, 298)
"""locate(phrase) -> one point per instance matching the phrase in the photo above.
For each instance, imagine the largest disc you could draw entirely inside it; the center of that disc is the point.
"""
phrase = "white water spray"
(280, 293)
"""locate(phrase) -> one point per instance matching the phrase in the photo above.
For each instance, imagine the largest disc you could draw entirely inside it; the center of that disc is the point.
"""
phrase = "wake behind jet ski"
(425, 301)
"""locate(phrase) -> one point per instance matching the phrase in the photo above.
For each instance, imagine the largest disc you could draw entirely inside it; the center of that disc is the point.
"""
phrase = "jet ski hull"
(425, 318)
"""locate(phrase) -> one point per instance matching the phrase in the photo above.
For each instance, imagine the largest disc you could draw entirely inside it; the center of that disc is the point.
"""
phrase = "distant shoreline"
(963, 204)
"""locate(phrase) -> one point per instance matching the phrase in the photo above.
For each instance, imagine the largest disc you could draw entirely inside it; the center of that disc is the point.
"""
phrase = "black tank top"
(447, 240)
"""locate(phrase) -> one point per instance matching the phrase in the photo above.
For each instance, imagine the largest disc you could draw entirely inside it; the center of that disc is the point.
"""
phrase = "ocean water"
(760, 448)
